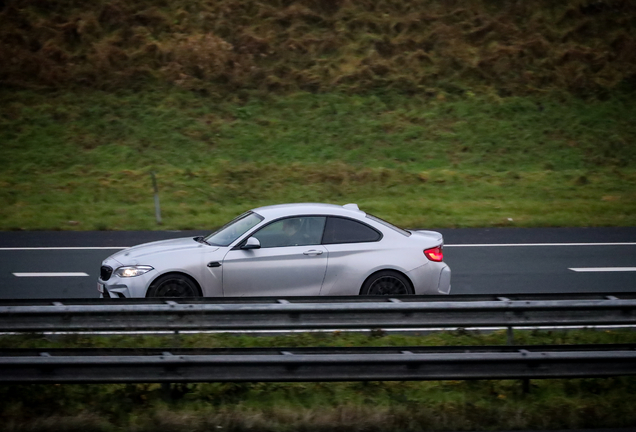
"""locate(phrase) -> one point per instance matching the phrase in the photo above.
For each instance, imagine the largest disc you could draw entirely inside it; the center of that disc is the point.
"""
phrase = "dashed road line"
(51, 274)
(63, 248)
(603, 269)
(540, 244)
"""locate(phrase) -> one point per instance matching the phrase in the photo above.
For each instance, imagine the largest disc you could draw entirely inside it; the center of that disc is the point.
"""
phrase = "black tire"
(173, 285)
(386, 283)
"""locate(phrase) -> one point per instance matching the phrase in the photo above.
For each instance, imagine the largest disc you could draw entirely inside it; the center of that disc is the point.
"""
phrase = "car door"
(290, 262)
(353, 250)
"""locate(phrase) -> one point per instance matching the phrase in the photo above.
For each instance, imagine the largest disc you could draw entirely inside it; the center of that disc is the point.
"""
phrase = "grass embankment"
(82, 159)
(349, 406)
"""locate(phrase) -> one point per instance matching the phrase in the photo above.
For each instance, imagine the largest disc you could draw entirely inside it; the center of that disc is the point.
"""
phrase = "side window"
(296, 231)
(341, 230)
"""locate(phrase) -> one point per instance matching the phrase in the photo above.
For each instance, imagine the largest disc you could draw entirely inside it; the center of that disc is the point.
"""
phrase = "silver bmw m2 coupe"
(284, 250)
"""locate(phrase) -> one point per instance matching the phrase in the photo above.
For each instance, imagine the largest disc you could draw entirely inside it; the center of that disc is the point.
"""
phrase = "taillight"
(435, 254)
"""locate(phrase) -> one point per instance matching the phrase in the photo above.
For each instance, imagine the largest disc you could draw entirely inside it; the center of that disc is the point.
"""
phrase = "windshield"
(233, 230)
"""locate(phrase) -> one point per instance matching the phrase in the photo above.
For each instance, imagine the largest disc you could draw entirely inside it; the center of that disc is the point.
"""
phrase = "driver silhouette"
(291, 228)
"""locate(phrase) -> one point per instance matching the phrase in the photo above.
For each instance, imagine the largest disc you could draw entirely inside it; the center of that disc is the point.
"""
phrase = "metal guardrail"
(319, 313)
(316, 364)
(327, 364)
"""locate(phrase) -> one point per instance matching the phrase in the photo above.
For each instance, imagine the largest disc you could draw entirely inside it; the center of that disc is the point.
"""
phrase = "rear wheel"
(386, 283)
(173, 285)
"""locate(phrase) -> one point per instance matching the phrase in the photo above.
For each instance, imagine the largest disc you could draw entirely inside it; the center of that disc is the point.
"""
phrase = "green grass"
(346, 406)
(82, 159)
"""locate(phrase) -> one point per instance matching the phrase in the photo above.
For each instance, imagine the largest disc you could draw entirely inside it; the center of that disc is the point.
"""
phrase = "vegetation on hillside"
(587, 47)
(429, 113)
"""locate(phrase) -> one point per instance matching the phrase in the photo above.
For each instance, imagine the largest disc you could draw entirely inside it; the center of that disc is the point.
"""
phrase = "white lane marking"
(62, 248)
(447, 245)
(51, 274)
(397, 330)
(540, 244)
(604, 269)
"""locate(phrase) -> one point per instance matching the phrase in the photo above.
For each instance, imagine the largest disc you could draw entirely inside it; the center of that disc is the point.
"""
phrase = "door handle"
(313, 252)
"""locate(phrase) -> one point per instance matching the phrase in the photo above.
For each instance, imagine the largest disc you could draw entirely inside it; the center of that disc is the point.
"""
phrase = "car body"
(284, 250)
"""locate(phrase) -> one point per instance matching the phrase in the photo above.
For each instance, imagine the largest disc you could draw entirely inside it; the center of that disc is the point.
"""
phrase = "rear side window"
(341, 230)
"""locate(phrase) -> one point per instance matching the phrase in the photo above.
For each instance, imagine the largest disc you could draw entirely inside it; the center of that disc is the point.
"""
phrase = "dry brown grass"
(521, 47)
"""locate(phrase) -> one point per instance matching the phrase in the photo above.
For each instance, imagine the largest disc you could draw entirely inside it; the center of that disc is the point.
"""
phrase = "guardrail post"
(156, 190)
(526, 386)
(166, 391)
(510, 340)
(166, 387)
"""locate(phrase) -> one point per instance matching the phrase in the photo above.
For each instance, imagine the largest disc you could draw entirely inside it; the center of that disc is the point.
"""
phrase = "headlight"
(132, 271)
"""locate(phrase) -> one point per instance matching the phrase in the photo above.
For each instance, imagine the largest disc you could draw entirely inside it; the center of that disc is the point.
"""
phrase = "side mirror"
(251, 243)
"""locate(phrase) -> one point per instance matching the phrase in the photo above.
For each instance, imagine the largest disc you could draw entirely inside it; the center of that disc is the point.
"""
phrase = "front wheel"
(386, 283)
(173, 285)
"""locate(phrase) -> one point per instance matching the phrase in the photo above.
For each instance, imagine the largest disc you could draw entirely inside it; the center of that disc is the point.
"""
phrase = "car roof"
(281, 210)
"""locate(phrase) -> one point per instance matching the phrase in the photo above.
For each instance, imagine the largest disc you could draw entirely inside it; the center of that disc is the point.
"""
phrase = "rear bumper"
(431, 278)
(444, 285)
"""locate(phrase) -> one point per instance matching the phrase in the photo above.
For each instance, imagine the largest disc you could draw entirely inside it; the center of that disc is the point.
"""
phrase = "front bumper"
(130, 287)
(112, 291)
(122, 287)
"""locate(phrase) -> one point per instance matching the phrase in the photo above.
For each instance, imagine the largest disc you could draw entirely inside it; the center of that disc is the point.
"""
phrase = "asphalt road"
(483, 261)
